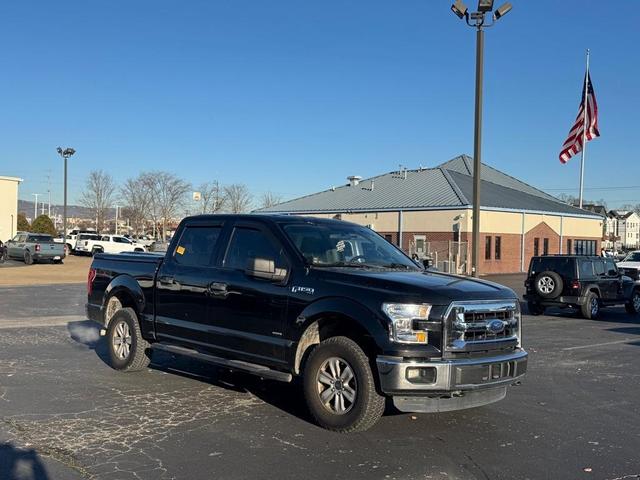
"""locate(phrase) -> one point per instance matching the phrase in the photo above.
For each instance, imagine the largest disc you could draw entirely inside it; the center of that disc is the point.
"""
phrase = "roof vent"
(354, 180)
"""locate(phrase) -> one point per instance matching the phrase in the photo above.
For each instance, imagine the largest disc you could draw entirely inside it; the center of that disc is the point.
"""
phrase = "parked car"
(35, 247)
(72, 238)
(326, 301)
(82, 239)
(144, 240)
(111, 244)
(584, 282)
(630, 265)
(159, 246)
(3, 252)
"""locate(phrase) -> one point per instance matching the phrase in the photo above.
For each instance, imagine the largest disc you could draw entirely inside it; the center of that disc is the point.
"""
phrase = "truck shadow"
(287, 397)
(20, 464)
(284, 396)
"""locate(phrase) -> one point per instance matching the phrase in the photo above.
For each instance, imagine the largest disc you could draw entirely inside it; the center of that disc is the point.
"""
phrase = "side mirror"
(427, 262)
(613, 273)
(265, 268)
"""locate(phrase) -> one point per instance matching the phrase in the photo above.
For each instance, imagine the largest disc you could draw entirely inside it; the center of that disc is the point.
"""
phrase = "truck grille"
(482, 326)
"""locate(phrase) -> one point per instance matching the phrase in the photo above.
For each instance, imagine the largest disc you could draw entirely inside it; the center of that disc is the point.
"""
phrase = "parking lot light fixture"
(477, 20)
(66, 153)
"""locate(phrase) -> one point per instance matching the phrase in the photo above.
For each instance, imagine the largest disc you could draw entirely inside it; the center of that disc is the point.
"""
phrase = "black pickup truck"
(329, 302)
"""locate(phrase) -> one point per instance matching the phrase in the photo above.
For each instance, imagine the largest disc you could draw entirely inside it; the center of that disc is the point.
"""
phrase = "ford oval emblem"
(495, 326)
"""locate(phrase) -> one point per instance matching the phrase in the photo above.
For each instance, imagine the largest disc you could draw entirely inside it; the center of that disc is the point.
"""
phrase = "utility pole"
(49, 192)
(116, 229)
(477, 21)
(35, 206)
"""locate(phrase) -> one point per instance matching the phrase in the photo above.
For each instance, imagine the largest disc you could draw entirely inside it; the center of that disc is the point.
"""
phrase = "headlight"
(405, 321)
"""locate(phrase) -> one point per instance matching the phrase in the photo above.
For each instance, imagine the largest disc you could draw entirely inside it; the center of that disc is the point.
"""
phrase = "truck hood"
(433, 287)
(628, 264)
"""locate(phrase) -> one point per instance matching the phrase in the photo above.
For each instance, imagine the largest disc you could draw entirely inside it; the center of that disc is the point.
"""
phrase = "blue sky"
(293, 96)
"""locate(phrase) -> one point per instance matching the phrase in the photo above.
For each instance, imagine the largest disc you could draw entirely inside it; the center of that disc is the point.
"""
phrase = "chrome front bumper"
(450, 376)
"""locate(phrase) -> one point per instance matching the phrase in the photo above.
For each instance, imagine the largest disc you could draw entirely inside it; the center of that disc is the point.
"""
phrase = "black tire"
(58, 262)
(535, 308)
(28, 259)
(548, 284)
(633, 306)
(590, 309)
(96, 250)
(367, 406)
(136, 357)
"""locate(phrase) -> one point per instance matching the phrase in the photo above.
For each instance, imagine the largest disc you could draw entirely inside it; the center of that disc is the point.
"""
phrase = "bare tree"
(269, 199)
(98, 195)
(136, 193)
(212, 197)
(168, 196)
(237, 197)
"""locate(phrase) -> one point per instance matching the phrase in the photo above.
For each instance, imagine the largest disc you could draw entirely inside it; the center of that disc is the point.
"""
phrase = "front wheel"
(339, 387)
(127, 348)
(590, 309)
(633, 306)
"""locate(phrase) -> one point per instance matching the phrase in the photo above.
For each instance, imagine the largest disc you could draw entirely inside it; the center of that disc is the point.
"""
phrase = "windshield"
(632, 257)
(346, 246)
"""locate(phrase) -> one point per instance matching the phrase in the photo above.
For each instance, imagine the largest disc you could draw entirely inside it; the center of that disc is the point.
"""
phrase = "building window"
(388, 237)
(498, 252)
(487, 248)
(545, 246)
(536, 247)
(585, 247)
(569, 247)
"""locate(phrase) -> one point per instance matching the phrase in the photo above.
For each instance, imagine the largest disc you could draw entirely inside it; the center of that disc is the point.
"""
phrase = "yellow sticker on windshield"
(180, 250)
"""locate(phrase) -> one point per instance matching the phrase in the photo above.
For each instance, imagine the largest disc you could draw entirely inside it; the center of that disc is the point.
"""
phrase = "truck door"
(615, 278)
(247, 311)
(182, 295)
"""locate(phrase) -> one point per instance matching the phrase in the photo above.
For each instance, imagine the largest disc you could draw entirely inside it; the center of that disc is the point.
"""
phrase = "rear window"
(586, 268)
(562, 266)
(40, 238)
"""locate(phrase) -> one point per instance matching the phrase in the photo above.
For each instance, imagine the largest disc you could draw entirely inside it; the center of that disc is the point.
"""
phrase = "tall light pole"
(66, 153)
(477, 20)
(35, 207)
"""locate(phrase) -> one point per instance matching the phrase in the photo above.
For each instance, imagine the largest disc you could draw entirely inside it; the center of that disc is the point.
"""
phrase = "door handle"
(166, 280)
(218, 289)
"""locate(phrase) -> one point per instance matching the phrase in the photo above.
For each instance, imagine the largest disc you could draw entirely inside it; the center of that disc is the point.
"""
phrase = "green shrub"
(23, 223)
(43, 224)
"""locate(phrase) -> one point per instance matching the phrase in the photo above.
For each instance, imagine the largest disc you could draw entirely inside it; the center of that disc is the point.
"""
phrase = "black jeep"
(585, 282)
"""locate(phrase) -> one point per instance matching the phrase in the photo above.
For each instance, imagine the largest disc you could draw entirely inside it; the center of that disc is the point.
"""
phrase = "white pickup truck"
(109, 244)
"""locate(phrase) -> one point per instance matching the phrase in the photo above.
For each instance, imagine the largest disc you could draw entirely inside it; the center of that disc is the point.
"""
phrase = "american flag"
(573, 143)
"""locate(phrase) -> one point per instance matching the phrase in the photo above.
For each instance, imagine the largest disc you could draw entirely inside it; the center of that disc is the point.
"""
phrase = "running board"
(253, 368)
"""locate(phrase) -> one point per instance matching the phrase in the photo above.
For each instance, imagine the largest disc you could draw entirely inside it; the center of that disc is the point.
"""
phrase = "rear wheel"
(590, 309)
(339, 387)
(28, 259)
(127, 348)
(96, 250)
(633, 306)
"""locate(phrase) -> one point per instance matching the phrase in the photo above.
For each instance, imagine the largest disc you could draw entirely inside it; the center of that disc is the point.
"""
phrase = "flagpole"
(584, 129)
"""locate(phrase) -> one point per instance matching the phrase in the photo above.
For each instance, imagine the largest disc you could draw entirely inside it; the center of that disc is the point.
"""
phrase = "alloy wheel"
(546, 285)
(336, 383)
(122, 340)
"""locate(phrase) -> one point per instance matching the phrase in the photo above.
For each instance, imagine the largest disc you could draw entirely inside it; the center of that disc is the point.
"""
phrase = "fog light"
(421, 374)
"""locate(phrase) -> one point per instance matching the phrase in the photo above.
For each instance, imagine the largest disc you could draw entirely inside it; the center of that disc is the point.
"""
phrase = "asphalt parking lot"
(64, 414)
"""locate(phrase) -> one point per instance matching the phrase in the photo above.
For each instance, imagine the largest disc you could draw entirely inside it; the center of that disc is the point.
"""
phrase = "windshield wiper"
(399, 265)
(342, 264)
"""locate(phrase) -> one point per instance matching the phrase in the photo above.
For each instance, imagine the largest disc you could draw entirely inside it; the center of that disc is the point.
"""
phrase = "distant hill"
(26, 207)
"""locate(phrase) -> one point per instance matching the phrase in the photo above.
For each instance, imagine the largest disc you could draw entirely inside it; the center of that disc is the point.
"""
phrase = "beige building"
(428, 212)
(8, 207)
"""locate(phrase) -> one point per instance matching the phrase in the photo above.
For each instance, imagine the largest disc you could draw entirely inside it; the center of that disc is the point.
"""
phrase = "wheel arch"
(128, 291)
(332, 317)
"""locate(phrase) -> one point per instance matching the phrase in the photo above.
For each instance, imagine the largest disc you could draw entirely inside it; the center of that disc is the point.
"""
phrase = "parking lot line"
(626, 340)
(39, 321)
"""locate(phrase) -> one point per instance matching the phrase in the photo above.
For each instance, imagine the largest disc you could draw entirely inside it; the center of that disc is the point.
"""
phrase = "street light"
(478, 21)
(66, 153)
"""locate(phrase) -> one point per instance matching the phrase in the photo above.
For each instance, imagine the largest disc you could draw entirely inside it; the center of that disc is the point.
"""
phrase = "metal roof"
(446, 186)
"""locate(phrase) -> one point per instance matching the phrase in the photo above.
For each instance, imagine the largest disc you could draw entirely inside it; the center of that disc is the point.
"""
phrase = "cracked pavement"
(64, 414)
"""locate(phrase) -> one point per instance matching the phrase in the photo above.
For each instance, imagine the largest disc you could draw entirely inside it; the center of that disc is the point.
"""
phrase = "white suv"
(112, 244)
